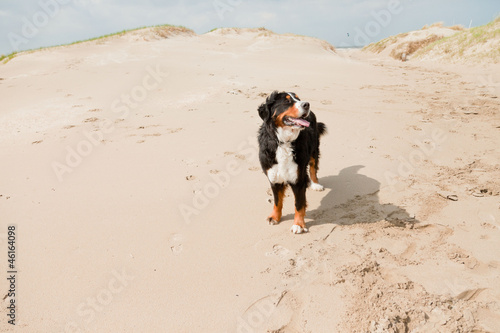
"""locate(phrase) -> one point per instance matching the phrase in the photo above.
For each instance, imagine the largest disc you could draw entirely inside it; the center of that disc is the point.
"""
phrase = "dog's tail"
(322, 129)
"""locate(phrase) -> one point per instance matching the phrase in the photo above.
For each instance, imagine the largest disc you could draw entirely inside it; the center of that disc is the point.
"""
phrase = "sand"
(129, 168)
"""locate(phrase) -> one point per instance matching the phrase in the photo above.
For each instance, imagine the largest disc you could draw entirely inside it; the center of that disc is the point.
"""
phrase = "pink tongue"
(300, 122)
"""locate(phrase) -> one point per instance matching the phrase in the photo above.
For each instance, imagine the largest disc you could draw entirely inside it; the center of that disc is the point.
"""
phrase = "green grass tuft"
(6, 58)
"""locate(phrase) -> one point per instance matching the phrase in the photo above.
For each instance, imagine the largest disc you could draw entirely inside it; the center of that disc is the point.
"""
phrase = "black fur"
(305, 146)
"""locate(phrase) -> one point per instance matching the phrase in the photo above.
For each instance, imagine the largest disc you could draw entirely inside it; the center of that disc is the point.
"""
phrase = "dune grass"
(379, 46)
(457, 27)
(480, 43)
(411, 47)
(162, 30)
(6, 58)
(261, 30)
(461, 44)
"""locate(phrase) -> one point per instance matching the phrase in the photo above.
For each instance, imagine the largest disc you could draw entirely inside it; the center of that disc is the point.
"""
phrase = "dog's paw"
(297, 229)
(316, 187)
(272, 221)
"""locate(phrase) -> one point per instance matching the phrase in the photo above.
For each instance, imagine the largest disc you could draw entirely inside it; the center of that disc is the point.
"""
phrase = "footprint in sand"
(143, 127)
(279, 251)
(410, 250)
(174, 130)
(175, 243)
(459, 256)
(488, 218)
(91, 120)
(36, 142)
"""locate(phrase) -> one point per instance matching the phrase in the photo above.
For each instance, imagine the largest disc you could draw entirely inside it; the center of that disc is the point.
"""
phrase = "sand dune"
(445, 44)
(402, 46)
(129, 167)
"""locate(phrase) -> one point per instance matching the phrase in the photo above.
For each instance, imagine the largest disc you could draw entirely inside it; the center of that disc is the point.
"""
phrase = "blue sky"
(28, 24)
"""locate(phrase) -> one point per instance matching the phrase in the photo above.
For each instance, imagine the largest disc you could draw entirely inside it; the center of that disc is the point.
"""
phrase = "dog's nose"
(305, 105)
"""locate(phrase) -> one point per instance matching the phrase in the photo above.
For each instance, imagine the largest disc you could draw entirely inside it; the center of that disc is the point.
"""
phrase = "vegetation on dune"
(479, 43)
(411, 47)
(161, 31)
(402, 47)
(457, 27)
(384, 43)
(261, 30)
(264, 32)
(6, 58)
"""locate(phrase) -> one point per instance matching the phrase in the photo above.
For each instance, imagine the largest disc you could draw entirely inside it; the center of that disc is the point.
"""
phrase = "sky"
(30, 24)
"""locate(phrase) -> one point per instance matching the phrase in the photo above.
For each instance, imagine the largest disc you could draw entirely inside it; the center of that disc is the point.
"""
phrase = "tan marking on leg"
(275, 216)
(299, 217)
(312, 170)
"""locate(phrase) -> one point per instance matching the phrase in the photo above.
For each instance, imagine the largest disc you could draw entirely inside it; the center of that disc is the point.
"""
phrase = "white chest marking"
(285, 171)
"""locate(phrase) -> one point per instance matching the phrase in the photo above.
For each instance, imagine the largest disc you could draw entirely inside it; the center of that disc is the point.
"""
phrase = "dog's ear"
(264, 112)
(265, 108)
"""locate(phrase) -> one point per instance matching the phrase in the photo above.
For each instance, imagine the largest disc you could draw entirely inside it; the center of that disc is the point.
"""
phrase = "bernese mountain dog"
(288, 143)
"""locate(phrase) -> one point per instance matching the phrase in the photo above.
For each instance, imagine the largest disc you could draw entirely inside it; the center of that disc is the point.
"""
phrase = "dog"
(288, 143)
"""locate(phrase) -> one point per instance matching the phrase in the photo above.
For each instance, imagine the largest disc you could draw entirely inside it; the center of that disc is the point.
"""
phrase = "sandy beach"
(129, 169)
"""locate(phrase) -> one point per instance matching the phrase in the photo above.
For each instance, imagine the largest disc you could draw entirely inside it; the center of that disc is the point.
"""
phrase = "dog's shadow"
(353, 198)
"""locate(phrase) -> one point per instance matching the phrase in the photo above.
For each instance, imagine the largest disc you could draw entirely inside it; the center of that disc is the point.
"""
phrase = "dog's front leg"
(278, 193)
(299, 224)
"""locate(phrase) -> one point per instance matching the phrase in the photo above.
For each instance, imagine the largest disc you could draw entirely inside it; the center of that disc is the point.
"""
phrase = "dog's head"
(285, 110)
